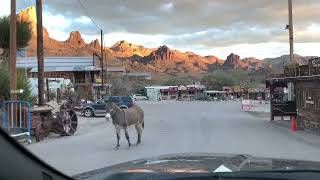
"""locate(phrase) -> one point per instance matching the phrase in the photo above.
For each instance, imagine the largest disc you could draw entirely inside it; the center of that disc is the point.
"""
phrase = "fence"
(16, 118)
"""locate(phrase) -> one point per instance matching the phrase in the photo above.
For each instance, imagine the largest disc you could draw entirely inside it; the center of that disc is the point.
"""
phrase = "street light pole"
(13, 51)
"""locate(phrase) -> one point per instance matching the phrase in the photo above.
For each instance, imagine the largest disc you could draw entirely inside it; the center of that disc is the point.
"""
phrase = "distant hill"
(139, 58)
(278, 62)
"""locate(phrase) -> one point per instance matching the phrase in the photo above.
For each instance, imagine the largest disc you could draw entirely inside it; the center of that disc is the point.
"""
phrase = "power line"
(85, 10)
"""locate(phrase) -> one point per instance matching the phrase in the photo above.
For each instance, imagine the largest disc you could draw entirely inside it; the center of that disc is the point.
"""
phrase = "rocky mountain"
(233, 61)
(73, 46)
(254, 64)
(125, 49)
(133, 57)
(29, 15)
(213, 59)
(139, 58)
(278, 62)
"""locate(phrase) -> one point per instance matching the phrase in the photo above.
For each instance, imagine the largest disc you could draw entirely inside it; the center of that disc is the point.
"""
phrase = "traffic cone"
(293, 124)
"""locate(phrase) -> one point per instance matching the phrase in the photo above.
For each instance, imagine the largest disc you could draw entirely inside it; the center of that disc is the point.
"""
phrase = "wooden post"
(13, 51)
(40, 53)
(271, 104)
(48, 90)
(102, 73)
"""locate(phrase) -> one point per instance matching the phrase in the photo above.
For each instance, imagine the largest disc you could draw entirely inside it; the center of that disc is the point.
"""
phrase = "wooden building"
(84, 72)
(185, 93)
(306, 100)
(245, 92)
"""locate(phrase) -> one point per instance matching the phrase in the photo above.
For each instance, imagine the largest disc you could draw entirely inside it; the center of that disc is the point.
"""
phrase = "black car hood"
(88, 104)
(202, 163)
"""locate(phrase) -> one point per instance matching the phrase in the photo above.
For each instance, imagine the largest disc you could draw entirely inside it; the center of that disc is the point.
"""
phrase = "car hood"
(202, 163)
(88, 104)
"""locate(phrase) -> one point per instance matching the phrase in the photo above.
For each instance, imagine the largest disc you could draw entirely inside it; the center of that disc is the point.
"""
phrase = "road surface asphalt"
(175, 127)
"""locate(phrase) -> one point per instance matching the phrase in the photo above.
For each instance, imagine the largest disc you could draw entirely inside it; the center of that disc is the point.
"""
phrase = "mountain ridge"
(139, 58)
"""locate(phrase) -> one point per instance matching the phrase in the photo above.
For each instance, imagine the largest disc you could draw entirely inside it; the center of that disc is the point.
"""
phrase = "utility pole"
(102, 73)
(40, 53)
(13, 51)
(292, 61)
(290, 31)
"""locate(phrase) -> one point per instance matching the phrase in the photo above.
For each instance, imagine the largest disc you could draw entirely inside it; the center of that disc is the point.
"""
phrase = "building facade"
(83, 72)
(306, 97)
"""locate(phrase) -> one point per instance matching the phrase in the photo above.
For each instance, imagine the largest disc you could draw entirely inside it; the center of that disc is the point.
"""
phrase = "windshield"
(115, 81)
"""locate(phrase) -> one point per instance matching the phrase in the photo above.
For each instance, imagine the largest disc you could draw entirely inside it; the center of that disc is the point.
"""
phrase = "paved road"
(174, 127)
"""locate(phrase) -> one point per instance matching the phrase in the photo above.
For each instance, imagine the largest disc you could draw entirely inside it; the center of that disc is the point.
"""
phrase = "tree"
(4, 82)
(180, 81)
(217, 80)
(24, 83)
(23, 35)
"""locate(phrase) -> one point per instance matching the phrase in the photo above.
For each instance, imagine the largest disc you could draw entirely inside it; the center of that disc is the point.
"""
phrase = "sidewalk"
(305, 136)
(262, 112)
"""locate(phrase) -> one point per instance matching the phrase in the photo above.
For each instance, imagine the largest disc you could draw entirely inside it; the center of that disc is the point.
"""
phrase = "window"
(114, 99)
(191, 92)
(106, 99)
(127, 98)
(101, 101)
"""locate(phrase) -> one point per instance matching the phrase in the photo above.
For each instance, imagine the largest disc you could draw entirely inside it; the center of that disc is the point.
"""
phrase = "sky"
(249, 28)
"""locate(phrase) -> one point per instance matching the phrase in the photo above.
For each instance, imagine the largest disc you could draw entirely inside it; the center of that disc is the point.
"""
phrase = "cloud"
(5, 8)
(247, 21)
(167, 7)
(205, 26)
(83, 20)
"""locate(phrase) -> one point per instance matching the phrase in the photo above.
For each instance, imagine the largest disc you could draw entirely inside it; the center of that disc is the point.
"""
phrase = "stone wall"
(307, 94)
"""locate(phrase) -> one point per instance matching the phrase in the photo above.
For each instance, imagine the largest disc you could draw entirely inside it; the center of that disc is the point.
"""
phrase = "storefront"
(305, 104)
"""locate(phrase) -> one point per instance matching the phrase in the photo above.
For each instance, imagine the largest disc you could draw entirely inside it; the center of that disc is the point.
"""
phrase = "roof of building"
(160, 87)
(116, 69)
(58, 64)
(140, 74)
(213, 91)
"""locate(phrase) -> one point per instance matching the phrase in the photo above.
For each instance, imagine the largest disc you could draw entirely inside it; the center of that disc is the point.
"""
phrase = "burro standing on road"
(123, 118)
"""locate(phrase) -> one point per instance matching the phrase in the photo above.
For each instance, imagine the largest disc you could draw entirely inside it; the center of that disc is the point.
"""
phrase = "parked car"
(99, 107)
(138, 97)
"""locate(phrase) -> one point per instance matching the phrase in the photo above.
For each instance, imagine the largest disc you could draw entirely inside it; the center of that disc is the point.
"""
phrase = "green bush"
(175, 81)
(22, 83)
(218, 79)
(4, 82)
(23, 33)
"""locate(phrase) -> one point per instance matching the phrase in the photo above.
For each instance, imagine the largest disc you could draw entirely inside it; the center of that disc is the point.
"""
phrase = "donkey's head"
(111, 109)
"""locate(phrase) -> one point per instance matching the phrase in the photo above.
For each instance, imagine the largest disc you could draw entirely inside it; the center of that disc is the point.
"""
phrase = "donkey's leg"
(118, 136)
(139, 132)
(127, 136)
